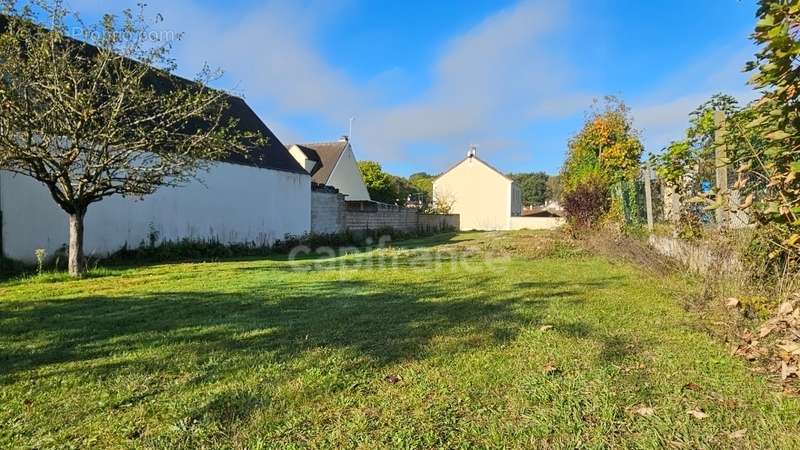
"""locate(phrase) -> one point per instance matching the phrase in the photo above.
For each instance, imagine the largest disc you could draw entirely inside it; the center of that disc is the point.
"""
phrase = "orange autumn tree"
(602, 164)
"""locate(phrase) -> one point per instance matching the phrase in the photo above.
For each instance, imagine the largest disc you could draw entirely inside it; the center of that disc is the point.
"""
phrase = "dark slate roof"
(270, 154)
(326, 154)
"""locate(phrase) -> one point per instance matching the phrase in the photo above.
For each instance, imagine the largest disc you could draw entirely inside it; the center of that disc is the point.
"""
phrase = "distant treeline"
(537, 187)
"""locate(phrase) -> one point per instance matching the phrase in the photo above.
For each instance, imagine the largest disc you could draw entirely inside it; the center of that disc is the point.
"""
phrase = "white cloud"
(663, 115)
(485, 83)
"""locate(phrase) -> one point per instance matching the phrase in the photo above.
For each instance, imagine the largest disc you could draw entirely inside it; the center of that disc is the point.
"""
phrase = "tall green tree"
(109, 119)
(533, 187)
(422, 182)
(382, 187)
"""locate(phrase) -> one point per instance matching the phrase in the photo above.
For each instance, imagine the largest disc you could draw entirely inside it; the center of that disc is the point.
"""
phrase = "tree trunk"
(77, 267)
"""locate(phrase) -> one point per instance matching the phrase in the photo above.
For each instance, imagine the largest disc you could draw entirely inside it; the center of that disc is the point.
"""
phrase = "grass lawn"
(383, 349)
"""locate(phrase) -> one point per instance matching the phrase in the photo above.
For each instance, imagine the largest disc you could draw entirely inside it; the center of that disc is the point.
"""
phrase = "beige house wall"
(482, 197)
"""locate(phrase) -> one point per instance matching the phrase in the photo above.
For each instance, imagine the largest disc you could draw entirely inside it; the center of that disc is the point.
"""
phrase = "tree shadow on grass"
(383, 323)
(213, 335)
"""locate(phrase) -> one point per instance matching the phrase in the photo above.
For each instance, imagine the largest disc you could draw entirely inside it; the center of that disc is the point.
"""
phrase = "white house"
(254, 198)
(333, 164)
(484, 198)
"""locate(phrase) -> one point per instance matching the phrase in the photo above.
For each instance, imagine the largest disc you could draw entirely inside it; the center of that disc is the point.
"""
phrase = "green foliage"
(607, 147)
(673, 165)
(214, 250)
(395, 190)
(605, 153)
(702, 128)
(776, 120)
(422, 183)
(89, 123)
(379, 183)
(684, 164)
(533, 187)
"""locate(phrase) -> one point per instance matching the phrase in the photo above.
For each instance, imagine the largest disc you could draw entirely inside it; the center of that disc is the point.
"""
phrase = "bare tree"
(103, 115)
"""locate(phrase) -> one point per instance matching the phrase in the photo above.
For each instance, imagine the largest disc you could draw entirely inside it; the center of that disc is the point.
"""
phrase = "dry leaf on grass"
(790, 347)
(645, 411)
(697, 414)
(767, 328)
(545, 327)
(732, 302)
(786, 308)
(788, 370)
(738, 434)
(550, 369)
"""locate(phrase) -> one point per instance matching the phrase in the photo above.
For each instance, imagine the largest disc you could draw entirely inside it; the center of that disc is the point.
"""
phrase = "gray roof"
(326, 155)
(271, 154)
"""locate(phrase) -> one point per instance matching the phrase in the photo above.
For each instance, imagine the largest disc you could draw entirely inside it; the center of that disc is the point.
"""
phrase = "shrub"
(586, 203)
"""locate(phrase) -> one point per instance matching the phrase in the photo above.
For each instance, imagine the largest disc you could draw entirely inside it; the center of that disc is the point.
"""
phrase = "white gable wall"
(346, 177)
(233, 203)
(479, 195)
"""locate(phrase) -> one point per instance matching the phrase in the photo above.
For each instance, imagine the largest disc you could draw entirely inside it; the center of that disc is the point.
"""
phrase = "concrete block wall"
(384, 216)
(327, 211)
(434, 222)
(330, 213)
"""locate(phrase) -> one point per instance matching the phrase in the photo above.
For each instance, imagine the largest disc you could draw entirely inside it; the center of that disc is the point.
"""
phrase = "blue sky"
(426, 79)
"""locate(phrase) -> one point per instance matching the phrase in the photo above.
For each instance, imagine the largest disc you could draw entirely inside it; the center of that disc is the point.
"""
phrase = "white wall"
(232, 204)
(536, 223)
(346, 177)
(480, 195)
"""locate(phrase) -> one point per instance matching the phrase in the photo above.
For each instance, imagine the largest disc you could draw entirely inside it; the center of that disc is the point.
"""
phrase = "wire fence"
(650, 201)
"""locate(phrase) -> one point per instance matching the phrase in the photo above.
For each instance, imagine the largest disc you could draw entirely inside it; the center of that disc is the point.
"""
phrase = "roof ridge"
(337, 141)
(475, 157)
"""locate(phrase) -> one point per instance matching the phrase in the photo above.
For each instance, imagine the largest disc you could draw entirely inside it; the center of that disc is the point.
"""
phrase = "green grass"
(278, 354)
